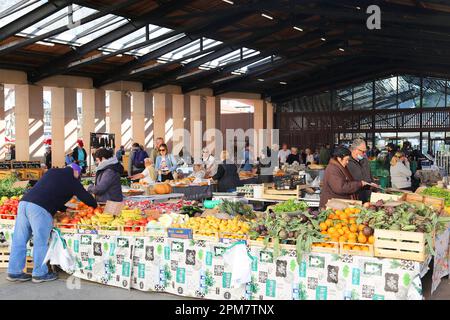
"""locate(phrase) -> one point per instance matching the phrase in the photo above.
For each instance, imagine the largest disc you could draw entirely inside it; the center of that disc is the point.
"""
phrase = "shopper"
(227, 174)
(149, 175)
(48, 157)
(107, 185)
(400, 172)
(247, 166)
(120, 153)
(166, 164)
(325, 154)
(337, 181)
(137, 157)
(198, 171)
(155, 151)
(309, 157)
(80, 156)
(209, 162)
(294, 156)
(283, 154)
(35, 218)
(359, 167)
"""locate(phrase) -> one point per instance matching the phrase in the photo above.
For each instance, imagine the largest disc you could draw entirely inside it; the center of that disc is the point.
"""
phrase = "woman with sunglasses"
(165, 164)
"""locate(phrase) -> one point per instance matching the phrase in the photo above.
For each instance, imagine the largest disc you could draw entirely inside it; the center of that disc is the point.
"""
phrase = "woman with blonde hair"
(149, 174)
(227, 176)
(400, 172)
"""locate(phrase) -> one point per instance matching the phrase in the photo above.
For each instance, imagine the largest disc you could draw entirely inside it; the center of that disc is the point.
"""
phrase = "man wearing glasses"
(359, 167)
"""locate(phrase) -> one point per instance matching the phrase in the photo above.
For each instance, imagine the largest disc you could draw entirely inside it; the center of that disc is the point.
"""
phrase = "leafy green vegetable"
(236, 208)
(6, 189)
(290, 206)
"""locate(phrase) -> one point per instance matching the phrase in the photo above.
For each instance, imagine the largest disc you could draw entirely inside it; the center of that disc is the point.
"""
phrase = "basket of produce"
(325, 247)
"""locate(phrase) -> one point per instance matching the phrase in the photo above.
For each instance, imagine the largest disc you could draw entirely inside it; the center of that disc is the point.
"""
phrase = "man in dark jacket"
(107, 178)
(137, 157)
(35, 217)
(359, 167)
(227, 176)
(325, 154)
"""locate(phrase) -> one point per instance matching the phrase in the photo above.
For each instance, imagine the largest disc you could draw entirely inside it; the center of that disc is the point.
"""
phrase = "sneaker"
(45, 278)
(19, 277)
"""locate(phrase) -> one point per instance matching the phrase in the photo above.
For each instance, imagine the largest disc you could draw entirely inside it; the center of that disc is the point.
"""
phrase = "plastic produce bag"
(58, 254)
(316, 182)
(238, 258)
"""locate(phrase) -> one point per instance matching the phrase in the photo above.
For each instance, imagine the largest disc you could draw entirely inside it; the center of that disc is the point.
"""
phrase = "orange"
(342, 239)
(353, 228)
(361, 227)
(364, 248)
(347, 247)
(345, 228)
(323, 232)
(371, 239)
(331, 216)
(348, 211)
(347, 232)
(323, 226)
(357, 248)
(344, 221)
(329, 222)
(341, 232)
(331, 230)
(362, 238)
(352, 221)
(352, 236)
(335, 239)
(338, 226)
(356, 210)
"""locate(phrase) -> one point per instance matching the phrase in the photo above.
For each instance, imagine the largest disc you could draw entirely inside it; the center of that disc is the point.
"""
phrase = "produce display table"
(155, 197)
(197, 269)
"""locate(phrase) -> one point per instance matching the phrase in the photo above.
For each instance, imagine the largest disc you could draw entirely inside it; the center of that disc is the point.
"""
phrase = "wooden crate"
(436, 203)
(273, 194)
(333, 250)
(375, 196)
(4, 260)
(414, 198)
(369, 253)
(196, 235)
(399, 244)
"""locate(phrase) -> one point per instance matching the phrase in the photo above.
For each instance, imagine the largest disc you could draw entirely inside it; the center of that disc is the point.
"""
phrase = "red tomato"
(129, 223)
(127, 228)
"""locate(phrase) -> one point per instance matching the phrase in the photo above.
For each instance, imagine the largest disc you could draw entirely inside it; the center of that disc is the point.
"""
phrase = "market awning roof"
(278, 48)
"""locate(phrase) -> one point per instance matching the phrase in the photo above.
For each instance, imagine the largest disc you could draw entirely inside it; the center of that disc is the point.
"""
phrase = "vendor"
(107, 178)
(166, 164)
(209, 162)
(337, 181)
(400, 172)
(35, 218)
(80, 156)
(294, 156)
(227, 176)
(359, 167)
(149, 175)
(198, 171)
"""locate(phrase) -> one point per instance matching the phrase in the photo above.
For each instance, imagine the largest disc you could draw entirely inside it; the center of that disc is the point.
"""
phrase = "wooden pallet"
(4, 260)
(400, 245)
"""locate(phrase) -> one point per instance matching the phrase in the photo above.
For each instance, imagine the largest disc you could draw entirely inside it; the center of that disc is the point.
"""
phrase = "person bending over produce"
(107, 178)
(149, 174)
(337, 181)
(35, 217)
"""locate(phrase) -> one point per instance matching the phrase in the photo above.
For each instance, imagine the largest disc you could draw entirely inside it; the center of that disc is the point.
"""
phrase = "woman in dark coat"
(337, 181)
(80, 156)
(107, 178)
(227, 176)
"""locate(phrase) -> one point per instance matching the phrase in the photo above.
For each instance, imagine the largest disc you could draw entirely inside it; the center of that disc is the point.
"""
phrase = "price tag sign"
(113, 208)
(20, 184)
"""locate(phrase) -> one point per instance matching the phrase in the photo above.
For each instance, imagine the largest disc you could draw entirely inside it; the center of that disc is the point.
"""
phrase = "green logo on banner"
(112, 249)
(254, 264)
(76, 246)
(355, 277)
(226, 280)
(126, 269)
(271, 286)
(141, 270)
(90, 264)
(208, 258)
(302, 269)
(167, 253)
(321, 293)
(181, 275)
(377, 297)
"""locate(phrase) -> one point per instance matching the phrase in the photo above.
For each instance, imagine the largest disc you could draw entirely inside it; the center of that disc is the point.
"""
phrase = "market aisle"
(57, 290)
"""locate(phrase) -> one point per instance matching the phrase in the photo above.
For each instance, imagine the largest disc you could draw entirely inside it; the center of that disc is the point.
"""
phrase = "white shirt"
(147, 177)
(310, 158)
(283, 154)
(210, 165)
(401, 175)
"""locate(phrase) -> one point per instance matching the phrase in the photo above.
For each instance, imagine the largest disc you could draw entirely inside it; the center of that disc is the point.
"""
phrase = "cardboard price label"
(113, 208)
(20, 184)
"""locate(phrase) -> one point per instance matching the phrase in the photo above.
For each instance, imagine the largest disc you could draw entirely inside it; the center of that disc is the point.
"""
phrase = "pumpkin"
(162, 188)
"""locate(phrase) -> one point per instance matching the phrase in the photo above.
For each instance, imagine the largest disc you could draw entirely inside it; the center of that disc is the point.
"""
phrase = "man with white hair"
(359, 167)
(209, 162)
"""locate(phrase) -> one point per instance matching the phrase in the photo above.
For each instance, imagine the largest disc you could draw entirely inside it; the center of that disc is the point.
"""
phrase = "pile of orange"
(340, 226)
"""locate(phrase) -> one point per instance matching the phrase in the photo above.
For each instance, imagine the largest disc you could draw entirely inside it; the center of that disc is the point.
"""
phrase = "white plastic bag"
(58, 254)
(238, 259)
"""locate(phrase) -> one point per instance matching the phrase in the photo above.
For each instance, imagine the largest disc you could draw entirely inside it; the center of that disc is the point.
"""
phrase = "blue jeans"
(31, 219)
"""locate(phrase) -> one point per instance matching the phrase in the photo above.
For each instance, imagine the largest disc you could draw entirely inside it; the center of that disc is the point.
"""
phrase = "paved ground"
(57, 290)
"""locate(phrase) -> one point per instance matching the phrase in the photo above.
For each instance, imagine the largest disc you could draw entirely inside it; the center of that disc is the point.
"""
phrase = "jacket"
(227, 177)
(55, 189)
(75, 155)
(324, 156)
(401, 175)
(338, 183)
(137, 158)
(360, 171)
(170, 161)
(107, 181)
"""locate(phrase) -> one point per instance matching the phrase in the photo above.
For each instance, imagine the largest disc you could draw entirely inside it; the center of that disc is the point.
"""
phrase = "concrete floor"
(57, 290)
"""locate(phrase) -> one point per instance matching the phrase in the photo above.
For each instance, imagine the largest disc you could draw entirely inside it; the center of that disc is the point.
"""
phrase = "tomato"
(127, 228)
(98, 210)
(90, 210)
(129, 223)
(65, 220)
(143, 221)
(90, 215)
(10, 217)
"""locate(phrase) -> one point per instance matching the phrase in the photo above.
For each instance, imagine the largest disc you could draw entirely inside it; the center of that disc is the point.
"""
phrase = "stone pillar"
(159, 118)
(93, 118)
(148, 121)
(120, 118)
(179, 132)
(258, 124)
(214, 140)
(64, 124)
(2, 122)
(29, 123)
(138, 117)
(269, 124)
(196, 127)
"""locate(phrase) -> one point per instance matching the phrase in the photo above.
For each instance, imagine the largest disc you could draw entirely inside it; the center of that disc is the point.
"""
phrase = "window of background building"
(386, 93)
(343, 100)
(363, 96)
(408, 92)
(433, 93)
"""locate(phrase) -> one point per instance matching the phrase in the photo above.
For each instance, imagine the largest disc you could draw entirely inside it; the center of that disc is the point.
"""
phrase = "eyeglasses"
(162, 149)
